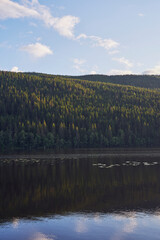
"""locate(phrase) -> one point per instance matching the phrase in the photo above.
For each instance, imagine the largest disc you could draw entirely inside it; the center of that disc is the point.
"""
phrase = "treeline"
(143, 81)
(56, 112)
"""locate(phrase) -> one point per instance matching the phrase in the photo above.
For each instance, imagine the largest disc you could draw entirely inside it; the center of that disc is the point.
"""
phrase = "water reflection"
(37, 188)
(15, 222)
(110, 226)
(40, 236)
(111, 197)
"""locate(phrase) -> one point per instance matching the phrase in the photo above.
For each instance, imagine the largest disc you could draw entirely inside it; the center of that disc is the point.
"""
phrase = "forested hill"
(51, 112)
(143, 81)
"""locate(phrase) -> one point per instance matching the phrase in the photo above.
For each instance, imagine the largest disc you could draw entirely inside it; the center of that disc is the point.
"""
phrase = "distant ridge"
(143, 81)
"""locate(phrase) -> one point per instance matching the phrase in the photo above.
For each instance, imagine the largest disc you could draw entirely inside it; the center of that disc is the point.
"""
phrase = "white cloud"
(37, 50)
(40, 236)
(83, 68)
(79, 61)
(15, 223)
(64, 25)
(93, 72)
(124, 61)
(79, 65)
(10, 9)
(105, 43)
(81, 226)
(98, 219)
(15, 69)
(120, 72)
(130, 226)
(153, 71)
(82, 35)
(141, 15)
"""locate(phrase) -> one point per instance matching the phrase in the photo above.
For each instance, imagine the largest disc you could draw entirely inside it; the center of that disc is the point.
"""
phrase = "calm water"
(100, 194)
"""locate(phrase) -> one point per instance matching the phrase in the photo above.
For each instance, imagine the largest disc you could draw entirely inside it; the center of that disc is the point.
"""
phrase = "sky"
(77, 37)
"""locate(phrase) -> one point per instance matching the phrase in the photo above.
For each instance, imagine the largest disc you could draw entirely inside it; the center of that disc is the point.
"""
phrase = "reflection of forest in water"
(75, 185)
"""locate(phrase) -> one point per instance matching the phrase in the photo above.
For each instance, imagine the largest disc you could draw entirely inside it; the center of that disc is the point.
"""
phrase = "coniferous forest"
(47, 111)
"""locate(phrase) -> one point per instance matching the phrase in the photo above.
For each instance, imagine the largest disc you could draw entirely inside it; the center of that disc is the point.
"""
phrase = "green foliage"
(143, 81)
(46, 111)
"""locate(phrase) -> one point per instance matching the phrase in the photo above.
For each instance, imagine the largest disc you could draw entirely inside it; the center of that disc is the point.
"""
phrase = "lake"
(82, 194)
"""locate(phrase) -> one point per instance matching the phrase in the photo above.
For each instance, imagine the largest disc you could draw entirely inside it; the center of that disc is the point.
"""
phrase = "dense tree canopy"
(144, 81)
(51, 111)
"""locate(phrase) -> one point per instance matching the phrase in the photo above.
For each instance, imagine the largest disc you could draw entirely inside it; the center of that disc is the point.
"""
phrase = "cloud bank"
(10, 9)
(33, 9)
(153, 71)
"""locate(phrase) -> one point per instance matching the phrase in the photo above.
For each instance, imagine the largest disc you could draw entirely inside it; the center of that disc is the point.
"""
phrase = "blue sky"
(75, 37)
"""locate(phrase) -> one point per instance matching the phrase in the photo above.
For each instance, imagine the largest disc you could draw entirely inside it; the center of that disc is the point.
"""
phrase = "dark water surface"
(87, 194)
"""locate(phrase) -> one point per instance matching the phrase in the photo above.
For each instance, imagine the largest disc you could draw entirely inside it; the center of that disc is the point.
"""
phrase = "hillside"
(143, 81)
(38, 111)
